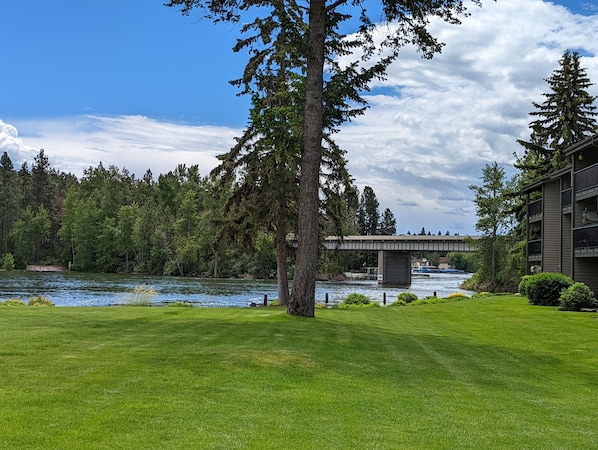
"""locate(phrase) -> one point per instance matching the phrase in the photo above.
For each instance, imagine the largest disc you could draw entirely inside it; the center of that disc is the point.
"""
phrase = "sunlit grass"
(486, 373)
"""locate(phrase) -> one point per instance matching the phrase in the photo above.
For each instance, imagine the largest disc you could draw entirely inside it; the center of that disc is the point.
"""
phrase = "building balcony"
(585, 241)
(586, 182)
(566, 201)
(534, 250)
(534, 211)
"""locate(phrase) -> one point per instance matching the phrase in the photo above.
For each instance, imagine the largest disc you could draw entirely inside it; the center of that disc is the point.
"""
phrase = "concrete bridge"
(394, 252)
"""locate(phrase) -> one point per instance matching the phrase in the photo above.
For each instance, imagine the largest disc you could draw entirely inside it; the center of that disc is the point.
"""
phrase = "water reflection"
(77, 289)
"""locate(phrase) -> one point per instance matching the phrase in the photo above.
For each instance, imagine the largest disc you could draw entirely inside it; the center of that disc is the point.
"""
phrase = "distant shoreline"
(46, 268)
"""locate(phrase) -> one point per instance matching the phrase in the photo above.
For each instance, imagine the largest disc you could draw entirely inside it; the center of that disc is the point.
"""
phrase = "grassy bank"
(487, 373)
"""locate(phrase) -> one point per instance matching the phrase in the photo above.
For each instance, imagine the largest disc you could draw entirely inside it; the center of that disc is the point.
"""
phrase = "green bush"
(428, 301)
(576, 297)
(40, 301)
(8, 262)
(13, 302)
(398, 303)
(545, 288)
(407, 297)
(524, 284)
(357, 301)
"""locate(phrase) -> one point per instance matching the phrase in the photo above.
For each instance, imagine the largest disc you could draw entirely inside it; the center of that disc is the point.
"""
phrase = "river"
(83, 289)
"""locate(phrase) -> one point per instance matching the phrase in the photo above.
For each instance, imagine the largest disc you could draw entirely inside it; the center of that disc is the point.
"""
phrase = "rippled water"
(77, 289)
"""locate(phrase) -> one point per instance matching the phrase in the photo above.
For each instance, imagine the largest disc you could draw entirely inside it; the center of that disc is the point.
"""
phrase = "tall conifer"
(566, 116)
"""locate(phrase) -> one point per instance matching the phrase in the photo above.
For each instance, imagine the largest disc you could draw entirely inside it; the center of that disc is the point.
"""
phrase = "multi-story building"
(562, 217)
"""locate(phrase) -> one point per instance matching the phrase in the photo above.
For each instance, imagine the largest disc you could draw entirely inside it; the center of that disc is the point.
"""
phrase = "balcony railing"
(566, 199)
(534, 248)
(586, 178)
(585, 238)
(534, 208)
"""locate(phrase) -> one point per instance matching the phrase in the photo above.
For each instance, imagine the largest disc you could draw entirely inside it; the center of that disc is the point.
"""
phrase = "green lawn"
(482, 374)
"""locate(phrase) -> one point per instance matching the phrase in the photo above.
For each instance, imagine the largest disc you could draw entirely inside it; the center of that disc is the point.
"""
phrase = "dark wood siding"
(551, 227)
(566, 243)
(586, 271)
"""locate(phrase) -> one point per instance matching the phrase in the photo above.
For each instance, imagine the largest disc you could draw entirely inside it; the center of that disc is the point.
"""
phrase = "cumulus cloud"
(433, 125)
(13, 145)
(136, 143)
(430, 128)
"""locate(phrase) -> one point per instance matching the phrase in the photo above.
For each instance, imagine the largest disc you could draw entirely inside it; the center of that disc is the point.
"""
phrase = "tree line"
(178, 224)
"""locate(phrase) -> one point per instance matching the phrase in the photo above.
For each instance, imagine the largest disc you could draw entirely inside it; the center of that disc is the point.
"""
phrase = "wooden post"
(384, 299)
(265, 299)
(326, 298)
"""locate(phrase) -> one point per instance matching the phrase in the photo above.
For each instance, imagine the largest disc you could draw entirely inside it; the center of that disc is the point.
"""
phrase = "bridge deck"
(402, 243)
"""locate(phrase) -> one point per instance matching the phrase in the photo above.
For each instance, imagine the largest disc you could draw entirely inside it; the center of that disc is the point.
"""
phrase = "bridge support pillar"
(394, 267)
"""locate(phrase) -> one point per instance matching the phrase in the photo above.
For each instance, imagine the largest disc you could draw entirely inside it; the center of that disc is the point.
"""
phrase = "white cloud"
(136, 143)
(421, 146)
(429, 131)
(13, 145)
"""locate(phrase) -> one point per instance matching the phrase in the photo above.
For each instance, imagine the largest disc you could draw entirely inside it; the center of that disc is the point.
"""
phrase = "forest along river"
(82, 289)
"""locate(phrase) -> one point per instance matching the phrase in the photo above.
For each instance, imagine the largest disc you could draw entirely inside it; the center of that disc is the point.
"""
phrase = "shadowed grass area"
(487, 373)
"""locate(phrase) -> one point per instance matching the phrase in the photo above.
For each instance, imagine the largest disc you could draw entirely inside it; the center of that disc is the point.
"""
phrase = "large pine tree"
(369, 215)
(566, 116)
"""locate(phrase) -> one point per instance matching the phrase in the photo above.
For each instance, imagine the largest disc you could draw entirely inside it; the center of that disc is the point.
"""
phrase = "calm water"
(76, 289)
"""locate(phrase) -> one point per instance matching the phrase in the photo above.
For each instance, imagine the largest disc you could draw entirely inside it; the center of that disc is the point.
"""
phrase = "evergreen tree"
(566, 116)
(369, 214)
(320, 43)
(388, 225)
(10, 200)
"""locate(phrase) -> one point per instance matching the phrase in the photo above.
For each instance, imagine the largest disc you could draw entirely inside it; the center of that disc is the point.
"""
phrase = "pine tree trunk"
(302, 301)
(281, 265)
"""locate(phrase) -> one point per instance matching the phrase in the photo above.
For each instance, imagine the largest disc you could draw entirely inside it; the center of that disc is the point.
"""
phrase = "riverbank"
(46, 268)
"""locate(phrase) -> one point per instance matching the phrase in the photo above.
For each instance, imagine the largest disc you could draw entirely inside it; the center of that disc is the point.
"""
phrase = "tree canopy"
(372, 49)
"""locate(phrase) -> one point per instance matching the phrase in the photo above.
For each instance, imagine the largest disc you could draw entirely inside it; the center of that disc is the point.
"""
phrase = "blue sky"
(135, 84)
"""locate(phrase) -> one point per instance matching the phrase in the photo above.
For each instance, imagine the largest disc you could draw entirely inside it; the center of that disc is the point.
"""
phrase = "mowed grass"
(482, 374)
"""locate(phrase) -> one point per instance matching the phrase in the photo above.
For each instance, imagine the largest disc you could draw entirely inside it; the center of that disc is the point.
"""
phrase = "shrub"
(456, 295)
(359, 305)
(40, 301)
(13, 302)
(576, 297)
(545, 288)
(524, 284)
(357, 301)
(398, 303)
(8, 262)
(428, 301)
(407, 297)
